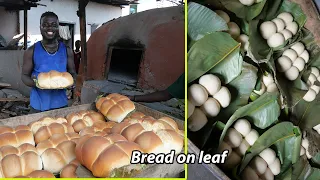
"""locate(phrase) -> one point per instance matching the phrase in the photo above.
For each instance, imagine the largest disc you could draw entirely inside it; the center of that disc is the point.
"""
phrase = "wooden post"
(83, 34)
(25, 30)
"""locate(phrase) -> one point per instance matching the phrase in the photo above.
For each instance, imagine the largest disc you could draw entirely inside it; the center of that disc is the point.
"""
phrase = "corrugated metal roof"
(19, 4)
(116, 2)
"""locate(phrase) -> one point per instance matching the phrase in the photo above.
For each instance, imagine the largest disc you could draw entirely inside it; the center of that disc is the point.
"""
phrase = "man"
(44, 56)
(77, 55)
(175, 90)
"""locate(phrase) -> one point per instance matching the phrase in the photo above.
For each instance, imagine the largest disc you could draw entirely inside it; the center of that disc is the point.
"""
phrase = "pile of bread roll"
(58, 145)
(54, 80)
(280, 29)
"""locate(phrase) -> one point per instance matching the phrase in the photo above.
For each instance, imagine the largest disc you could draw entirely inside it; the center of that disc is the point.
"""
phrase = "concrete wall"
(146, 5)
(8, 27)
(67, 11)
(159, 31)
(10, 70)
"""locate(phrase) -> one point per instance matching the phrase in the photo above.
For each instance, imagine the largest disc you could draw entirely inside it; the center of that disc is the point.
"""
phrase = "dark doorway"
(124, 65)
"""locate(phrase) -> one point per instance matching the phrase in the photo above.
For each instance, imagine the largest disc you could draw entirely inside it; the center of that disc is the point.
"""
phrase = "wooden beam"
(83, 34)
(25, 24)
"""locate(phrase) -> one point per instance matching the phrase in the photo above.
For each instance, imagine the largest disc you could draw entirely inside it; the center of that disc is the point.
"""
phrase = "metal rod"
(25, 24)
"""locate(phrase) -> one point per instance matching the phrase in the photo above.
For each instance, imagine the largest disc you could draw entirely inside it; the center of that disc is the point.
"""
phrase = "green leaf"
(203, 21)
(312, 47)
(263, 112)
(306, 114)
(301, 169)
(316, 160)
(270, 10)
(280, 132)
(315, 174)
(244, 12)
(217, 52)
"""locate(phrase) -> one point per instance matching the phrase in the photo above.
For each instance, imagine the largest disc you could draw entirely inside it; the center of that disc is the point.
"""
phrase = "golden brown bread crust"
(55, 80)
(14, 165)
(83, 119)
(15, 136)
(103, 154)
(45, 132)
(69, 171)
(54, 159)
(7, 150)
(55, 140)
(45, 121)
(169, 123)
(38, 174)
(115, 107)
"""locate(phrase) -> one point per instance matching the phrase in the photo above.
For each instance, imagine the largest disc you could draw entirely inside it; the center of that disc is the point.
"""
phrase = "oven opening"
(124, 66)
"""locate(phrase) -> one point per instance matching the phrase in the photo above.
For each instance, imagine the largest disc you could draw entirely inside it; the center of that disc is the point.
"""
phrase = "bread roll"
(103, 154)
(54, 159)
(169, 123)
(14, 165)
(82, 119)
(69, 171)
(137, 116)
(15, 136)
(38, 174)
(55, 80)
(45, 121)
(7, 150)
(115, 107)
(46, 132)
(55, 140)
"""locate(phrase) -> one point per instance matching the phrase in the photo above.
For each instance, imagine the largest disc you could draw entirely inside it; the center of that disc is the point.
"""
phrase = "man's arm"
(27, 68)
(71, 67)
(152, 97)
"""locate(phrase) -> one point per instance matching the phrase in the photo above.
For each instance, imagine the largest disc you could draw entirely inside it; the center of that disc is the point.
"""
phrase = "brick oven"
(145, 50)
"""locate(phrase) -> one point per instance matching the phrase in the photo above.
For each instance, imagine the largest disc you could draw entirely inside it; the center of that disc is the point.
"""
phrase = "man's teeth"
(50, 33)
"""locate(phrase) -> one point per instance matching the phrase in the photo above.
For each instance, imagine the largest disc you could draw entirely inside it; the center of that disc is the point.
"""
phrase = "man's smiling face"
(49, 27)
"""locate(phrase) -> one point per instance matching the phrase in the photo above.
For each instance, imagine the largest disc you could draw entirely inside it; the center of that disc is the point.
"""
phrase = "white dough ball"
(287, 34)
(290, 53)
(244, 40)
(272, 88)
(279, 23)
(234, 30)
(258, 165)
(252, 137)
(312, 79)
(223, 15)
(276, 40)
(275, 167)
(197, 94)
(243, 126)
(268, 79)
(292, 74)
(197, 120)
(223, 96)
(293, 27)
(233, 138)
(310, 95)
(315, 71)
(268, 155)
(298, 47)
(249, 174)
(258, 1)
(283, 63)
(286, 17)
(315, 88)
(244, 146)
(211, 107)
(267, 29)
(190, 108)
(224, 146)
(247, 2)
(305, 56)
(211, 83)
(268, 175)
(299, 63)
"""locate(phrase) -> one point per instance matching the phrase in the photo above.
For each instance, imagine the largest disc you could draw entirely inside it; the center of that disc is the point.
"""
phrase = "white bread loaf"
(13, 165)
(101, 128)
(55, 80)
(103, 154)
(45, 121)
(55, 140)
(15, 136)
(83, 119)
(115, 107)
(7, 150)
(69, 171)
(38, 174)
(154, 136)
(45, 132)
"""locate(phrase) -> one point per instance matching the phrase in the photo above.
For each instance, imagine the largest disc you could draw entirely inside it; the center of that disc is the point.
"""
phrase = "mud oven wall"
(157, 33)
